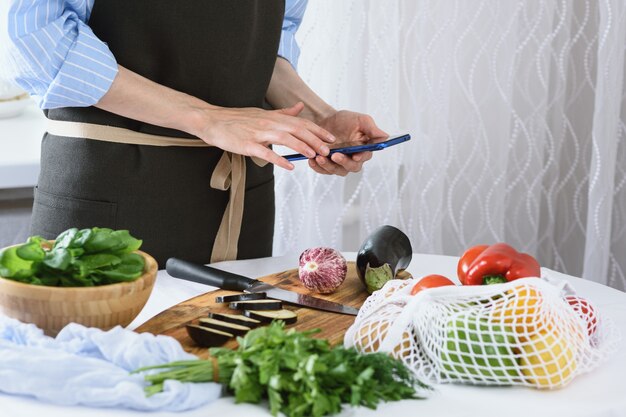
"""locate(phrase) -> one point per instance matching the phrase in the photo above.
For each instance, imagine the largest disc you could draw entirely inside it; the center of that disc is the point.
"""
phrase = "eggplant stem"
(377, 277)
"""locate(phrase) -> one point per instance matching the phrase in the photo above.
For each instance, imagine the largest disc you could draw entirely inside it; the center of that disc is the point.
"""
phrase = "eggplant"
(322, 269)
(234, 329)
(241, 297)
(256, 305)
(384, 254)
(205, 337)
(286, 316)
(235, 319)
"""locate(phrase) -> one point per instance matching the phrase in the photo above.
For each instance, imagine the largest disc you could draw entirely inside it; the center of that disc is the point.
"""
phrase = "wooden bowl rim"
(150, 269)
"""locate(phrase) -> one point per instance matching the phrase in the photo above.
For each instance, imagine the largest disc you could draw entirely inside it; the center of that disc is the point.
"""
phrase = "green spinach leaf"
(86, 257)
(13, 266)
(31, 251)
(59, 258)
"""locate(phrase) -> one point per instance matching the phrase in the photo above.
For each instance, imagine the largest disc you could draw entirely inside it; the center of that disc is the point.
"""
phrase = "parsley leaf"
(298, 374)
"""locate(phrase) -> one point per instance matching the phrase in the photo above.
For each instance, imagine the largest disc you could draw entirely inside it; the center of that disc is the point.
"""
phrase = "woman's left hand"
(346, 126)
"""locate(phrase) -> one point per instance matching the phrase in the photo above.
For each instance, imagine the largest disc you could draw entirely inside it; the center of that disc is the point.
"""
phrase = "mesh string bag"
(524, 332)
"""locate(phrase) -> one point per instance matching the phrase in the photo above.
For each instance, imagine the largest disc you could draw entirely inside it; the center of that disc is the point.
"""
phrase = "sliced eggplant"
(241, 297)
(235, 329)
(384, 254)
(205, 337)
(256, 305)
(287, 316)
(236, 319)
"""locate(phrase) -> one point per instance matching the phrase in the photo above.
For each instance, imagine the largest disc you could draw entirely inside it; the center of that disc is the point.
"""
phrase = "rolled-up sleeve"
(61, 62)
(288, 48)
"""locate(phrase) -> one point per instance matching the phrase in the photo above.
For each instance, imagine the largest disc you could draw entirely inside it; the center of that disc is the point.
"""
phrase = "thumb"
(374, 131)
(293, 110)
(368, 126)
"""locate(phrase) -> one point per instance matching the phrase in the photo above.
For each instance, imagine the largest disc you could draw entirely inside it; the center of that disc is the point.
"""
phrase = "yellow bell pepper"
(520, 309)
(548, 361)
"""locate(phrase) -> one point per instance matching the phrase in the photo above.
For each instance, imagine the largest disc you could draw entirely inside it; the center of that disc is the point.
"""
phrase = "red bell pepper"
(495, 264)
(466, 261)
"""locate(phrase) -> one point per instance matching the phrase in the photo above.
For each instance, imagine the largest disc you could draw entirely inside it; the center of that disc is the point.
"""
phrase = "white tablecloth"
(598, 394)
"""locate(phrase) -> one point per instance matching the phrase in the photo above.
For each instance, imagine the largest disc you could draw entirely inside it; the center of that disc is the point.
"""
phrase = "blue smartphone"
(355, 147)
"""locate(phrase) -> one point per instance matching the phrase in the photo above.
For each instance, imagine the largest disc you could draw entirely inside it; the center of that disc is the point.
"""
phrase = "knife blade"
(207, 275)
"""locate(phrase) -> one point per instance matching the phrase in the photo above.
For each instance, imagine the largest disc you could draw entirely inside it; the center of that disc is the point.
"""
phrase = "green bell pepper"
(475, 349)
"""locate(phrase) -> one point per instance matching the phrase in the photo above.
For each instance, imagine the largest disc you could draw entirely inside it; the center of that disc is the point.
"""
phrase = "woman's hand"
(350, 127)
(250, 132)
(247, 131)
(287, 87)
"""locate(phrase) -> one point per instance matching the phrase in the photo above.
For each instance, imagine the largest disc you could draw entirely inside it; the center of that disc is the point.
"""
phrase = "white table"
(598, 394)
(20, 148)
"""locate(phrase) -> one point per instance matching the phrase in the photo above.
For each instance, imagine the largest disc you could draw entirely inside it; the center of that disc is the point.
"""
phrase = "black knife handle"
(206, 275)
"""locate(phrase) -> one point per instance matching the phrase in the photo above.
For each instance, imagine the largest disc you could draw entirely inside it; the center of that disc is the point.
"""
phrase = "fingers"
(285, 139)
(270, 156)
(362, 156)
(340, 164)
(328, 167)
(346, 163)
(317, 168)
(299, 125)
(306, 135)
(300, 135)
(320, 132)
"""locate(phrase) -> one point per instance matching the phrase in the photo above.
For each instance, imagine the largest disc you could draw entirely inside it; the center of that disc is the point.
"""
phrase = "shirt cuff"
(86, 74)
(288, 48)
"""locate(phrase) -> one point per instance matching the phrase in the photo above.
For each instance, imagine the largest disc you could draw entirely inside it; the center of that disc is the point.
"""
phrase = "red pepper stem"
(493, 279)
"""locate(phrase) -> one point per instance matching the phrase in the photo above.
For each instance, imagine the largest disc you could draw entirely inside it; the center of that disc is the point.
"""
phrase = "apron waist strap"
(229, 173)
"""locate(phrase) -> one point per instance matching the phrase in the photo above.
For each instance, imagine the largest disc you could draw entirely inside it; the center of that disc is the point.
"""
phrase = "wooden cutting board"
(172, 321)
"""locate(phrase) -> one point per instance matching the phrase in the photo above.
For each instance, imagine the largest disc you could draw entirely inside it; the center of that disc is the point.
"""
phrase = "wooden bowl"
(104, 306)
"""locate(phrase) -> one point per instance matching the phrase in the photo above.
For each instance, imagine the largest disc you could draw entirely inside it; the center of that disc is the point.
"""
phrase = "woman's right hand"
(250, 132)
(246, 131)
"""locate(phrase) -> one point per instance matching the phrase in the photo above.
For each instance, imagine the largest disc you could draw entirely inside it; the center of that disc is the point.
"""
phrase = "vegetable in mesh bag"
(519, 333)
(548, 360)
(474, 347)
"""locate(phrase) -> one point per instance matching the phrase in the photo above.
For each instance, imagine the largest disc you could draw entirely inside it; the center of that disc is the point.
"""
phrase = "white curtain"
(518, 115)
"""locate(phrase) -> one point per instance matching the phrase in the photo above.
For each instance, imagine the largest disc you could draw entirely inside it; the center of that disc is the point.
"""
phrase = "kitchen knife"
(233, 282)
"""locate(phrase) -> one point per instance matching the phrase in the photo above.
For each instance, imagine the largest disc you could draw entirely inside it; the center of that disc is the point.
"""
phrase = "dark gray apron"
(222, 51)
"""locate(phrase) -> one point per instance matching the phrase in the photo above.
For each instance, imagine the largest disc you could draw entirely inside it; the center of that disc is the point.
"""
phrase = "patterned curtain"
(517, 111)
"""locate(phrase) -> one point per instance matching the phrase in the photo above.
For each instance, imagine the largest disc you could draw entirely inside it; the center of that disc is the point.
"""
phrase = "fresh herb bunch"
(299, 375)
(77, 258)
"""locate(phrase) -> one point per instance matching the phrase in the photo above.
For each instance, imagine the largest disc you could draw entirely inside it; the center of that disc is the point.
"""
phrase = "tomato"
(585, 309)
(466, 260)
(431, 281)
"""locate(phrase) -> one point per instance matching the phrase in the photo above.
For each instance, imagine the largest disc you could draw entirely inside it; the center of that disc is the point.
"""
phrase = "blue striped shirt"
(65, 65)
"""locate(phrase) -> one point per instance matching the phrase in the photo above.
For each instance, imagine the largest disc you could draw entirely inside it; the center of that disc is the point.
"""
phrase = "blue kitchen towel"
(91, 367)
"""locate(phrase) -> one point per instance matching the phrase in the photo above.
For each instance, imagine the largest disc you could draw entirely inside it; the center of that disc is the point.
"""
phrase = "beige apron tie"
(116, 134)
(229, 173)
